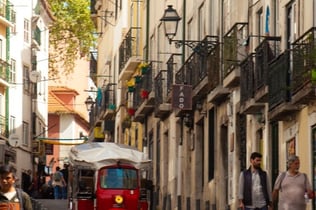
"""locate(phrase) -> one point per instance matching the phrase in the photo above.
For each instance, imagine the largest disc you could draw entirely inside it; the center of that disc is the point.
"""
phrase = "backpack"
(57, 176)
(20, 197)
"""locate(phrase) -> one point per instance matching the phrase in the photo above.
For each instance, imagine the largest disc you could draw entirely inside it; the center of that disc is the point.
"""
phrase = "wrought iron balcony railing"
(279, 80)
(136, 96)
(304, 61)
(93, 65)
(3, 70)
(247, 79)
(105, 102)
(129, 47)
(172, 64)
(233, 49)
(160, 88)
(2, 9)
(3, 128)
(195, 69)
(266, 51)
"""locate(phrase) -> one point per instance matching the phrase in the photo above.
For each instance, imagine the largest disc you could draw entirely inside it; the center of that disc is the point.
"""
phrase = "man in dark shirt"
(254, 186)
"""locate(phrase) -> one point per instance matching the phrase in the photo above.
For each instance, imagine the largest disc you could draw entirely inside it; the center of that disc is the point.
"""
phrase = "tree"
(71, 35)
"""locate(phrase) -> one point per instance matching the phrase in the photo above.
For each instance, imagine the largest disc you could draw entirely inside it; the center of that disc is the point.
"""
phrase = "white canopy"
(100, 154)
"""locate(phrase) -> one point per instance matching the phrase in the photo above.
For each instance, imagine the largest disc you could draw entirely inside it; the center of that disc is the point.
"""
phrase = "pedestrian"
(58, 183)
(64, 171)
(254, 186)
(10, 196)
(292, 188)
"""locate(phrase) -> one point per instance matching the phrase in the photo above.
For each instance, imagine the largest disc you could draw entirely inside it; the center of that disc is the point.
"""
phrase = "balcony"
(172, 66)
(3, 128)
(93, 66)
(104, 107)
(5, 17)
(4, 77)
(201, 69)
(304, 68)
(266, 51)
(144, 97)
(247, 87)
(108, 102)
(254, 73)
(129, 54)
(280, 106)
(233, 53)
(162, 106)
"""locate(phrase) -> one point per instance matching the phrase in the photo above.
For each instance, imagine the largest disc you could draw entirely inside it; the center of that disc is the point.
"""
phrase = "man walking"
(254, 186)
(292, 186)
(58, 183)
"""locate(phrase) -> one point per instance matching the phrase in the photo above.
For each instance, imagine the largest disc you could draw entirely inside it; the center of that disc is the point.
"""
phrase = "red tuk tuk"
(107, 176)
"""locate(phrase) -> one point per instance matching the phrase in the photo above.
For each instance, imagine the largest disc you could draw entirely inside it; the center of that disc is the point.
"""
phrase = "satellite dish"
(35, 76)
(14, 140)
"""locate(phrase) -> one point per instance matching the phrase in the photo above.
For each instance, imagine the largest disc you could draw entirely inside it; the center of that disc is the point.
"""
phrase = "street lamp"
(89, 103)
(170, 20)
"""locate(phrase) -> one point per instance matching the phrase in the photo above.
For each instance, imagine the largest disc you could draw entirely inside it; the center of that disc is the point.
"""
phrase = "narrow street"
(51, 204)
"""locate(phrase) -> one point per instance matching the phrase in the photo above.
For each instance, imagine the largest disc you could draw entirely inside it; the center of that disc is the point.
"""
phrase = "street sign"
(182, 96)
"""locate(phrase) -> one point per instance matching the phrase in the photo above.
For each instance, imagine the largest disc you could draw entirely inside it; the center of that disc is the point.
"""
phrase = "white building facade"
(27, 94)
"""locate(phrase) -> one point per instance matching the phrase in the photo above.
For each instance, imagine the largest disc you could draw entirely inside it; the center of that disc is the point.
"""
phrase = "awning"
(59, 141)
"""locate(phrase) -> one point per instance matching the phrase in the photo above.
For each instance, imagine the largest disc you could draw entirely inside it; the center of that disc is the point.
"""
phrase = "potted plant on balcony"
(131, 85)
(144, 94)
(138, 79)
(131, 111)
(112, 107)
(143, 68)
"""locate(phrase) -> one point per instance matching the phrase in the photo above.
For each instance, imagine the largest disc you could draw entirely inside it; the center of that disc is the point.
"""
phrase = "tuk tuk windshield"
(118, 178)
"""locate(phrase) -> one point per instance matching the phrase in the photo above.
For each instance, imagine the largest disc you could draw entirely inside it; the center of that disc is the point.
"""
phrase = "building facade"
(24, 55)
(67, 126)
(236, 77)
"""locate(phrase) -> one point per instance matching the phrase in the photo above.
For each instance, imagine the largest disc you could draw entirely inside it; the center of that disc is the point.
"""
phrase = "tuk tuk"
(107, 176)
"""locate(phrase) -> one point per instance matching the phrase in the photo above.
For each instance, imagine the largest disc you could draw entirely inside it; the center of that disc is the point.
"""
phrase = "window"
(25, 135)
(26, 31)
(13, 20)
(118, 178)
(260, 26)
(291, 24)
(12, 124)
(12, 76)
(201, 24)
(26, 79)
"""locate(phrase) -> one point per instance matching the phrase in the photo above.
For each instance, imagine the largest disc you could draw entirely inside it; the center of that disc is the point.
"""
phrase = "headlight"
(118, 199)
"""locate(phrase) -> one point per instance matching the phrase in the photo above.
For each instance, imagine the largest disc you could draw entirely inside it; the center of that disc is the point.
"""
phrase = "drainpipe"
(179, 168)
(183, 29)
(7, 68)
(147, 30)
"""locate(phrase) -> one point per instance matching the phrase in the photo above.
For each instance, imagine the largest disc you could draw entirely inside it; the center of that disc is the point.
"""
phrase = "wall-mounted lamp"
(89, 103)
(188, 120)
(200, 108)
(171, 20)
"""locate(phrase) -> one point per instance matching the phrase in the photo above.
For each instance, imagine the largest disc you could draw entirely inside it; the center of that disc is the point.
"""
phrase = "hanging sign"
(182, 96)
